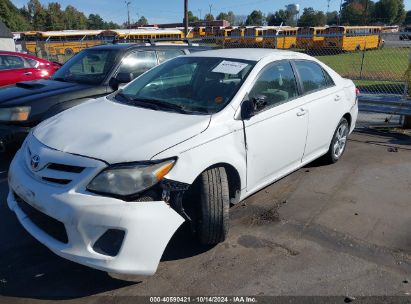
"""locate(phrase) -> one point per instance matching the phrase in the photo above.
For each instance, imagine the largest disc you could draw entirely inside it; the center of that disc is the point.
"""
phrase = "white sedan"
(107, 183)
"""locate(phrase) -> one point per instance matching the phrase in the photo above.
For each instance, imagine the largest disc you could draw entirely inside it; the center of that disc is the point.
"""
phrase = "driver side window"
(275, 85)
(138, 62)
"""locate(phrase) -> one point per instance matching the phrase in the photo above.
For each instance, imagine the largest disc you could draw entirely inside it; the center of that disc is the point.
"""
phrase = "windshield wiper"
(127, 98)
(159, 104)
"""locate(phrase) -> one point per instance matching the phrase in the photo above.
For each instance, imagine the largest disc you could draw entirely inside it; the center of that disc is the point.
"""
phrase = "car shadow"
(30, 270)
(184, 244)
(386, 136)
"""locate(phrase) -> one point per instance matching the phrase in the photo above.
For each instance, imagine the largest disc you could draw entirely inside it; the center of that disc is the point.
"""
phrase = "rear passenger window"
(32, 63)
(164, 55)
(328, 79)
(276, 84)
(312, 76)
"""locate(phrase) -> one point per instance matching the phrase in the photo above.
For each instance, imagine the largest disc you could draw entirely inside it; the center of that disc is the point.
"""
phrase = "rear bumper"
(11, 137)
(147, 227)
(354, 115)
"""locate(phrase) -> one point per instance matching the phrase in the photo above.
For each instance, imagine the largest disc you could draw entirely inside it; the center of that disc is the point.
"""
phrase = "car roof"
(250, 54)
(128, 46)
(22, 55)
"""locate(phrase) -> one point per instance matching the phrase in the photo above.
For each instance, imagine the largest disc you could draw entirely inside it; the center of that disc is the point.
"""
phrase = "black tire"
(68, 52)
(330, 157)
(212, 224)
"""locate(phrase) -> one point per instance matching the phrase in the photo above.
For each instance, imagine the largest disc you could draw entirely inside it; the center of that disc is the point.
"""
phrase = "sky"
(167, 11)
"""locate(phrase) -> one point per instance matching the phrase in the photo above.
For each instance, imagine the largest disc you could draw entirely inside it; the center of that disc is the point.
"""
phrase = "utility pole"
(210, 5)
(128, 12)
(328, 6)
(186, 17)
(199, 10)
(365, 15)
(339, 14)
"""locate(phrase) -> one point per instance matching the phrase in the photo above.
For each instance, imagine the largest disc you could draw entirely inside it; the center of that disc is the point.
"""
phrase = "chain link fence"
(376, 62)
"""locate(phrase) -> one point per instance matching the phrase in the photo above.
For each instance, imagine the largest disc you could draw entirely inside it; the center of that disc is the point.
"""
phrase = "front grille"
(49, 169)
(65, 168)
(56, 180)
(51, 226)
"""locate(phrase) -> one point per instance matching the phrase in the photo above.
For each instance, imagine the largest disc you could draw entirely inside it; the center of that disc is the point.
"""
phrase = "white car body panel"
(127, 140)
(270, 153)
(148, 225)
(273, 143)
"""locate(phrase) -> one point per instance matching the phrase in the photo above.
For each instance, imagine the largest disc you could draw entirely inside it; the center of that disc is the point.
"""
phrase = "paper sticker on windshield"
(229, 67)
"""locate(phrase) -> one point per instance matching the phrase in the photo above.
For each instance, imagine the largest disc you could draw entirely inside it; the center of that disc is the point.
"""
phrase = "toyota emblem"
(35, 162)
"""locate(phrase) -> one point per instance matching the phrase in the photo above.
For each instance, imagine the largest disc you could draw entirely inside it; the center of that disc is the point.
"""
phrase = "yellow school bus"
(237, 37)
(253, 36)
(29, 42)
(223, 35)
(310, 38)
(352, 38)
(280, 37)
(141, 35)
(198, 32)
(211, 31)
(53, 43)
(68, 42)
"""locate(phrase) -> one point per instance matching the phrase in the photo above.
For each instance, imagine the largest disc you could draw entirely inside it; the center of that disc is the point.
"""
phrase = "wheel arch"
(233, 177)
(348, 117)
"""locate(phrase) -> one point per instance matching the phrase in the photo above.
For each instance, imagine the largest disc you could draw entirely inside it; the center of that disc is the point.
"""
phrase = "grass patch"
(382, 64)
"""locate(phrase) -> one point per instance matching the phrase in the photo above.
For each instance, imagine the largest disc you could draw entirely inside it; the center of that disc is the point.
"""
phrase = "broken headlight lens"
(129, 179)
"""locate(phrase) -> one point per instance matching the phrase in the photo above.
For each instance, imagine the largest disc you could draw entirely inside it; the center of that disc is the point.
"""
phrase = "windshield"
(88, 67)
(188, 85)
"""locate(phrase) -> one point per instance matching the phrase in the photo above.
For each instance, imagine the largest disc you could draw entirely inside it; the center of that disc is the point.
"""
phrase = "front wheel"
(212, 225)
(338, 142)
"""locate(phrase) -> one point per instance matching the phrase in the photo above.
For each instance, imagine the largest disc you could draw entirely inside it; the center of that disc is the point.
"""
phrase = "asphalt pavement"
(340, 229)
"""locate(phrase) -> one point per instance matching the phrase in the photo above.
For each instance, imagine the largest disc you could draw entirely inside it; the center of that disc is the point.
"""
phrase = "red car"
(16, 67)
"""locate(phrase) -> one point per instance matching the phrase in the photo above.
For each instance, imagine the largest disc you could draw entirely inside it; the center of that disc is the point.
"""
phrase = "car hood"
(25, 91)
(41, 95)
(117, 133)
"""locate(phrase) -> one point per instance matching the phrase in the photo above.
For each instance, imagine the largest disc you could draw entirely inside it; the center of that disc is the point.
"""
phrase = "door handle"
(337, 98)
(27, 73)
(302, 112)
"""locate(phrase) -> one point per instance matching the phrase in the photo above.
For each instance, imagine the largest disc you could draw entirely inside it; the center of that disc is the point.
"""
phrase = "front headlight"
(129, 179)
(14, 114)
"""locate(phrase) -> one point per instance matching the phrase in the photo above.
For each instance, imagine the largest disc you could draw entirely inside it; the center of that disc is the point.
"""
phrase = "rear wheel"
(68, 52)
(212, 223)
(338, 142)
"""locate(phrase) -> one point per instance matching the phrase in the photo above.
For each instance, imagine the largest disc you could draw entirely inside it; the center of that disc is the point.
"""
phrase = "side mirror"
(247, 109)
(124, 77)
(121, 78)
(253, 105)
(260, 102)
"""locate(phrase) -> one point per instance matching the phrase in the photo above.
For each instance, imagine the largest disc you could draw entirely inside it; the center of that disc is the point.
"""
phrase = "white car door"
(325, 106)
(276, 134)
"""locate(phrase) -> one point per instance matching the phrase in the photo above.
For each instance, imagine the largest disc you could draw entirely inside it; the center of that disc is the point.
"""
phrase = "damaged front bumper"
(101, 232)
